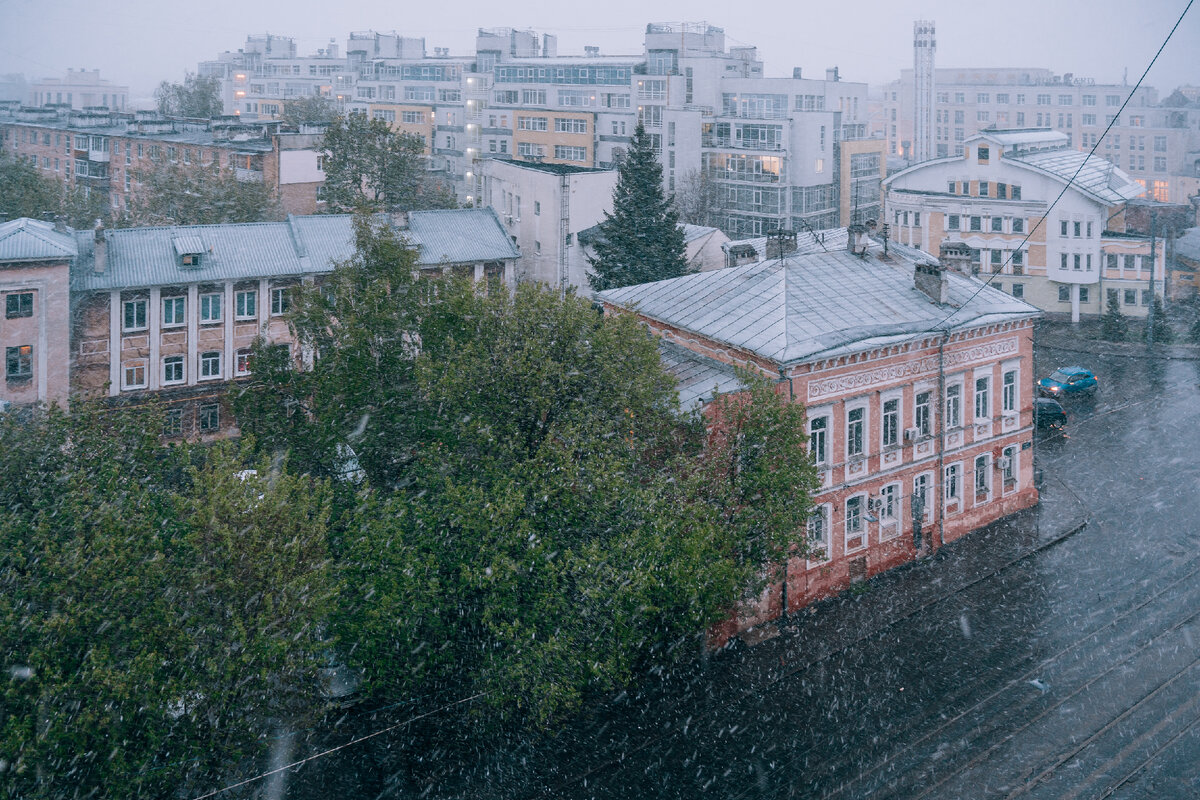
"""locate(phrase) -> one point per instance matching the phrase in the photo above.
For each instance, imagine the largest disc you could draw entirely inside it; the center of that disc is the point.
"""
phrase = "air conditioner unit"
(912, 434)
(1003, 462)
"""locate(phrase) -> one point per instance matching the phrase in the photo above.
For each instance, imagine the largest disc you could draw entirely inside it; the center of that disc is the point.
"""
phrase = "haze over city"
(138, 43)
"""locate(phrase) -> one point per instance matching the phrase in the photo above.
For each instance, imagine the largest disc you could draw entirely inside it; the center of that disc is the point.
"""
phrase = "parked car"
(1068, 382)
(1047, 413)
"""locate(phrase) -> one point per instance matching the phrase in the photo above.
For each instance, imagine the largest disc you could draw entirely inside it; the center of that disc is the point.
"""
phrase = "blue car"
(1068, 382)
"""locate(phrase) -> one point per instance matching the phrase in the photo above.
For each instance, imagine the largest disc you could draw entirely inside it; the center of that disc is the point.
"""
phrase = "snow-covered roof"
(1092, 175)
(809, 306)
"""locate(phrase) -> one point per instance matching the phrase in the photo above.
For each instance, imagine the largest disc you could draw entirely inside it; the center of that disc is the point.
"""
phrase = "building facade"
(79, 90)
(917, 382)
(109, 153)
(988, 212)
(170, 313)
(1157, 146)
(778, 149)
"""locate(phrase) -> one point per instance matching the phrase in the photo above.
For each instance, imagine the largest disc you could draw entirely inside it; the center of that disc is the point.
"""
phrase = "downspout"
(786, 555)
(940, 478)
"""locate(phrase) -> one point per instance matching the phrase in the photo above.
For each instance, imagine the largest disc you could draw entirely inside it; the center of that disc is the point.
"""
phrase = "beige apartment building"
(988, 212)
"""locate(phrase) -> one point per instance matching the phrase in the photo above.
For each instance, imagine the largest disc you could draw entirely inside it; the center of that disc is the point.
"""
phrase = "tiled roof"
(1090, 174)
(818, 305)
(34, 240)
(138, 257)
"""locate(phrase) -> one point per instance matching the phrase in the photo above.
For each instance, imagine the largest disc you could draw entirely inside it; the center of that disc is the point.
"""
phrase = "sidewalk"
(1083, 337)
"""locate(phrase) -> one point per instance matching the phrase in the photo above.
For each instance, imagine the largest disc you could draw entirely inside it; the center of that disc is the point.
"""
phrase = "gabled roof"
(699, 378)
(815, 306)
(460, 236)
(1092, 175)
(33, 240)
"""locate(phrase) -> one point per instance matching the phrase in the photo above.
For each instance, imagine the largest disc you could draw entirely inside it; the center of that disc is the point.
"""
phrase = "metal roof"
(815, 306)
(144, 257)
(699, 378)
(1188, 245)
(1017, 137)
(33, 240)
(1090, 174)
(806, 242)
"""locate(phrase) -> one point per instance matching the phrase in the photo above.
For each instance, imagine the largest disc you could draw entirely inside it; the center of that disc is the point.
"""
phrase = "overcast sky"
(140, 42)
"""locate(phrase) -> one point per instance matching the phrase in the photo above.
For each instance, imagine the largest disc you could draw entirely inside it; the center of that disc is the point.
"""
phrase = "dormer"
(189, 251)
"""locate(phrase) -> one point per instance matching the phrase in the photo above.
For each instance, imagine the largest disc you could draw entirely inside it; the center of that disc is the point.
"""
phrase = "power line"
(1067, 185)
(315, 756)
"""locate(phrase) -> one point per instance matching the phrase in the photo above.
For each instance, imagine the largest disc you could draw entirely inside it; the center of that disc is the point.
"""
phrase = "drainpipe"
(787, 555)
(940, 478)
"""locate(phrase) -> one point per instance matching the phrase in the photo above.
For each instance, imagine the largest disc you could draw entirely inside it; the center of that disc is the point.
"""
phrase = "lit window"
(18, 362)
(242, 366)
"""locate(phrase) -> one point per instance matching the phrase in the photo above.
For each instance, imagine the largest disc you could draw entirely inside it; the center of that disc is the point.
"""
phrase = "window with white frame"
(889, 503)
(210, 307)
(983, 405)
(246, 304)
(818, 439)
(855, 430)
(135, 315)
(855, 534)
(890, 422)
(242, 362)
(1008, 468)
(954, 405)
(1008, 392)
(134, 376)
(818, 533)
(210, 364)
(173, 311)
(173, 371)
(921, 497)
(952, 483)
(921, 413)
(983, 478)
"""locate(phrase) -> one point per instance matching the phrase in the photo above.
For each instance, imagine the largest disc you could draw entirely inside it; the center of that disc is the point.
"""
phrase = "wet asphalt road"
(1035, 659)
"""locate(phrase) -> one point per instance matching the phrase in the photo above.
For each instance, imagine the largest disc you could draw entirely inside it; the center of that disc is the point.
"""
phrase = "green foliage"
(537, 520)
(27, 192)
(310, 110)
(1114, 326)
(369, 165)
(640, 241)
(151, 643)
(197, 96)
(176, 194)
(1163, 334)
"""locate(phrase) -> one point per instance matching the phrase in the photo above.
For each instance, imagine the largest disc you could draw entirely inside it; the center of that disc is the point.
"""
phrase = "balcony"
(248, 175)
(729, 143)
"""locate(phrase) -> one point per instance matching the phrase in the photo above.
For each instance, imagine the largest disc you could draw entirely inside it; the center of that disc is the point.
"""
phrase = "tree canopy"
(534, 503)
(178, 194)
(27, 192)
(640, 240)
(197, 96)
(369, 165)
(311, 110)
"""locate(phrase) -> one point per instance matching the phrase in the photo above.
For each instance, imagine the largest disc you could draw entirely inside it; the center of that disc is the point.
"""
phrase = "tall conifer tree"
(640, 241)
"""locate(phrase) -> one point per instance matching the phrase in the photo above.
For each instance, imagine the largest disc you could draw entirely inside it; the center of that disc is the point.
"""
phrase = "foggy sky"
(141, 42)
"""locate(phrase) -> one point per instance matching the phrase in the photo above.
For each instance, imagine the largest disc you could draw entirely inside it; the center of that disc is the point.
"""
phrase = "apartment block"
(791, 152)
(1158, 146)
(79, 90)
(105, 152)
(988, 212)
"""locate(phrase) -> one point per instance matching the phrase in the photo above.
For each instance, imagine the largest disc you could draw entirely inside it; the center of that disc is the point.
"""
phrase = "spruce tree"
(640, 241)
(1162, 328)
(1114, 325)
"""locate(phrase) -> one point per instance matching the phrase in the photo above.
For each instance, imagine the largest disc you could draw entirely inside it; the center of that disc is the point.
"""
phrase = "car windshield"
(1059, 376)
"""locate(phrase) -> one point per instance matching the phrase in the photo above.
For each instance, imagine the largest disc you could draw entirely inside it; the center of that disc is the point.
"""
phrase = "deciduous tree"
(196, 96)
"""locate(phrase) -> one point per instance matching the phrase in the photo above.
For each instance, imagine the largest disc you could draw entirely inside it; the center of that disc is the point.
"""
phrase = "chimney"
(930, 279)
(60, 223)
(99, 249)
(591, 51)
(400, 220)
(858, 240)
(780, 243)
(831, 74)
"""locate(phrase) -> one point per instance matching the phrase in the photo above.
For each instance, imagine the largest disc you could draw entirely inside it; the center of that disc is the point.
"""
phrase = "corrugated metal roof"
(806, 242)
(1188, 245)
(460, 236)
(33, 240)
(699, 378)
(143, 257)
(187, 244)
(1090, 174)
(809, 306)
(693, 232)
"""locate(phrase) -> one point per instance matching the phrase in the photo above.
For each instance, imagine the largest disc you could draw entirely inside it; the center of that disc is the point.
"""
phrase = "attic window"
(188, 249)
(191, 259)
(984, 154)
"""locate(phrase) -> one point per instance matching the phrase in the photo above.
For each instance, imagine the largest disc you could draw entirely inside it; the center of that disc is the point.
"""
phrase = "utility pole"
(1150, 310)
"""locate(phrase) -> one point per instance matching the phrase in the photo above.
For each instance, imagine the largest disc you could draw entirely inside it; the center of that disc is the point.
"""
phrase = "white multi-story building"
(80, 89)
(781, 151)
(1040, 219)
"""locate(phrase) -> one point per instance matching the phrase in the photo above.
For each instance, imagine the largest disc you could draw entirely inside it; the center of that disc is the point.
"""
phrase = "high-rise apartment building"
(790, 152)
(924, 51)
